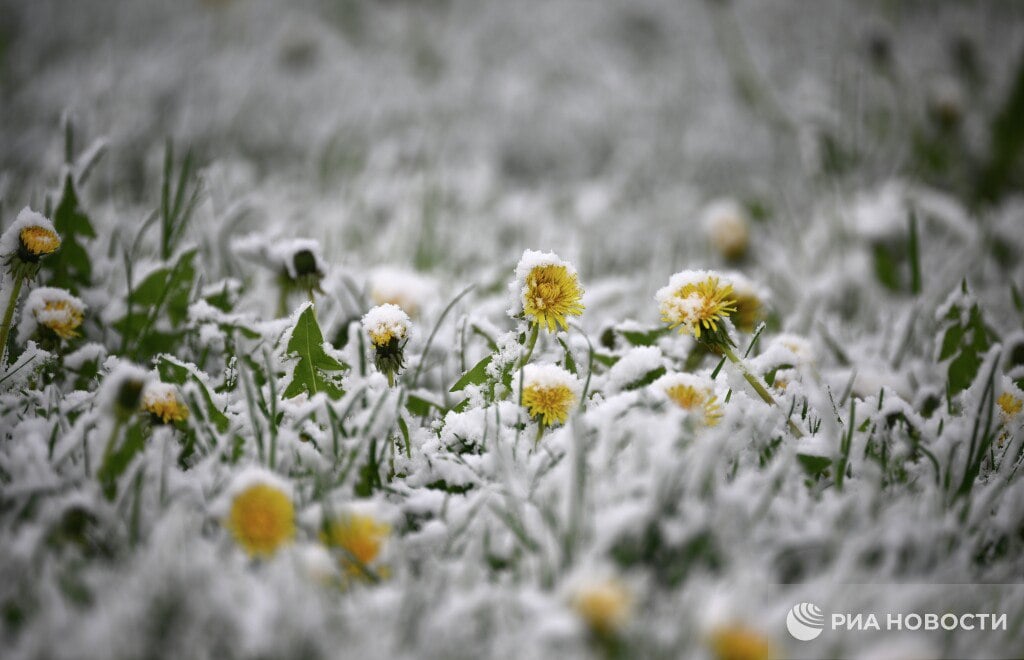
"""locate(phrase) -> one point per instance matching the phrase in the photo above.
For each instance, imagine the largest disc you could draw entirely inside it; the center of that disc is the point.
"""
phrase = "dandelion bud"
(30, 238)
(749, 299)
(129, 394)
(388, 329)
(727, 228)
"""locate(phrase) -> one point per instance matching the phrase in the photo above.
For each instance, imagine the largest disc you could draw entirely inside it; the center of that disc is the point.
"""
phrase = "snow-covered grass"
(357, 341)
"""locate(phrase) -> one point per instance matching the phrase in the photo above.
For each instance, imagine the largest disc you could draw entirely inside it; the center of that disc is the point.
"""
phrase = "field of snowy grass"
(470, 328)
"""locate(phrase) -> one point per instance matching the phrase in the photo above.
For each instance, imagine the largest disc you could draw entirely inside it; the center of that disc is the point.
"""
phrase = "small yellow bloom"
(62, 317)
(549, 393)
(385, 324)
(740, 643)
(39, 241)
(262, 519)
(1009, 406)
(161, 400)
(692, 393)
(548, 290)
(361, 536)
(604, 606)
(695, 302)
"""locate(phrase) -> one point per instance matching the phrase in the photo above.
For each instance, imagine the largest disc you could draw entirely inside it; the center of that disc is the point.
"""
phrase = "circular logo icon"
(805, 621)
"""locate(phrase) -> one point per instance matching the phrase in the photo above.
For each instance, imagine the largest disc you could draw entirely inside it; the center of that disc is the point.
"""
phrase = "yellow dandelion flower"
(740, 643)
(692, 393)
(361, 536)
(549, 393)
(262, 517)
(1009, 406)
(605, 606)
(54, 309)
(695, 302)
(161, 401)
(727, 228)
(385, 324)
(548, 290)
(39, 241)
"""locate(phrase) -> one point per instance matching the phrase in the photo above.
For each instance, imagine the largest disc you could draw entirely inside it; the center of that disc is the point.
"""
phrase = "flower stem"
(5, 327)
(530, 344)
(540, 433)
(755, 383)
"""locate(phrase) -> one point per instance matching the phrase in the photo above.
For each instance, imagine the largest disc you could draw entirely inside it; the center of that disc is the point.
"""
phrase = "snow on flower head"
(549, 393)
(749, 298)
(385, 324)
(546, 290)
(297, 259)
(360, 536)
(691, 393)
(695, 301)
(261, 517)
(29, 238)
(799, 349)
(53, 309)
(388, 328)
(410, 291)
(161, 401)
(727, 228)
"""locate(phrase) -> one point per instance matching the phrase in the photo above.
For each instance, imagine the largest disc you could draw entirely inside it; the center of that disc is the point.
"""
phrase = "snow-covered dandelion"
(360, 536)
(161, 401)
(549, 394)
(410, 291)
(22, 246)
(727, 228)
(691, 393)
(697, 302)
(388, 329)
(261, 517)
(52, 311)
(605, 606)
(737, 642)
(547, 290)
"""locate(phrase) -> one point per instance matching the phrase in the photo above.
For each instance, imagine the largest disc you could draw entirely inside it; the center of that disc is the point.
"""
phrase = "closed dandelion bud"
(53, 315)
(749, 299)
(388, 327)
(727, 228)
(697, 302)
(161, 401)
(605, 606)
(549, 393)
(546, 290)
(29, 238)
(305, 270)
(261, 516)
(129, 395)
(736, 642)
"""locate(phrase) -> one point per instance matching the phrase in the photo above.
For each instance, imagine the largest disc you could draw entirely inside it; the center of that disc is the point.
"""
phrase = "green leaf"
(307, 344)
(814, 465)
(70, 267)
(117, 460)
(644, 337)
(964, 345)
(570, 362)
(646, 379)
(163, 293)
(475, 376)
(420, 406)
